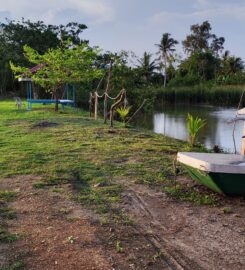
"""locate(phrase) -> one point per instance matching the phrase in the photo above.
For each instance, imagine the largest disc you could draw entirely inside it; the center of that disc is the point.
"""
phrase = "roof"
(36, 68)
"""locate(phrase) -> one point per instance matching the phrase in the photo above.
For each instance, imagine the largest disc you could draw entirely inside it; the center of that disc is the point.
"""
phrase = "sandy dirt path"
(55, 232)
(201, 237)
(58, 233)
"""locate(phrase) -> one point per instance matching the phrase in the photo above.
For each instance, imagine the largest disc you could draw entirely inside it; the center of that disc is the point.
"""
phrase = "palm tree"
(166, 49)
(231, 64)
(147, 66)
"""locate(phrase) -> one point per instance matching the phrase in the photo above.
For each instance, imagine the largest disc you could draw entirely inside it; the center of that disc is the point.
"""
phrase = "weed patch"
(16, 266)
(188, 194)
(7, 196)
(5, 236)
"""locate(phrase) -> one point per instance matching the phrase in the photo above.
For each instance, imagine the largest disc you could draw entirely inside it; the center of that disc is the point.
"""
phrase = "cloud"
(4, 14)
(225, 13)
(201, 4)
(95, 12)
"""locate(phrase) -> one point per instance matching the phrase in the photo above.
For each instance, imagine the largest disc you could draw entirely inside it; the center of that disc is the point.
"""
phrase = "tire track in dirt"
(190, 237)
(175, 259)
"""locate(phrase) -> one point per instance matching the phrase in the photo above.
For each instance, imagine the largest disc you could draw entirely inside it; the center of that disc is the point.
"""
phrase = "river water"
(170, 120)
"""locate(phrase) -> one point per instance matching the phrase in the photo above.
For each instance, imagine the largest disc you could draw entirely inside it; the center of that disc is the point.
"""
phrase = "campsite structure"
(70, 92)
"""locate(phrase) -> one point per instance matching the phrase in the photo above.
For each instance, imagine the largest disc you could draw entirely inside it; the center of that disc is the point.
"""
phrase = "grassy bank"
(70, 147)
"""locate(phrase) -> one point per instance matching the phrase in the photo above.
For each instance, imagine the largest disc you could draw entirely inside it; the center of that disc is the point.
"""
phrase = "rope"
(96, 93)
(113, 98)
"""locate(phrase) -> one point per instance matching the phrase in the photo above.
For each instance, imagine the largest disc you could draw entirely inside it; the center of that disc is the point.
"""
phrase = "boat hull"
(227, 183)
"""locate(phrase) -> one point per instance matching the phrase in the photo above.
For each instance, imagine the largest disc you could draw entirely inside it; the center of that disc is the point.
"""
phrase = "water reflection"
(170, 120)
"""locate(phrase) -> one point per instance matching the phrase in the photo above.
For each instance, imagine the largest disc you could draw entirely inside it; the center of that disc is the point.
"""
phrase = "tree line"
(205, 59)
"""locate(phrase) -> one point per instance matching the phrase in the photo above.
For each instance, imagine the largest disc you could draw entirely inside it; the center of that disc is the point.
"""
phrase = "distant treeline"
(207, 73)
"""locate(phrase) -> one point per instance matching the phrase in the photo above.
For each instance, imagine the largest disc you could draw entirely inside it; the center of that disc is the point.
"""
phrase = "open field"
(75, 194)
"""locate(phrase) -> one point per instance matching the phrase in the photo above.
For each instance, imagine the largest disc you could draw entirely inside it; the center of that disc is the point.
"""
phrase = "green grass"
(5, 236)
(84, 152)
(5, 214)
(189, 195)
(7, 196)
(16, 266)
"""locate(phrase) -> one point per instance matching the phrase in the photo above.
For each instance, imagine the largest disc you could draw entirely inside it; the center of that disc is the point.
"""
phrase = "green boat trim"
(219, 180)
(223, 183)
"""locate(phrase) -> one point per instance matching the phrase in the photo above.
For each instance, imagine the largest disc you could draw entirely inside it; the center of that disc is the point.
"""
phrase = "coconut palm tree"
(146, 66)
(231, 64)
(166, 49)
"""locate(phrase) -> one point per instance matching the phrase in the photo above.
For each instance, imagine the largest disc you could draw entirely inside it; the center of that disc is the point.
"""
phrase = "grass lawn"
(54, 150)
(74, 146)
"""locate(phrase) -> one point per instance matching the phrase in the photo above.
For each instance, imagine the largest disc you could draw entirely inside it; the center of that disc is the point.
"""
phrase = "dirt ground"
(57, 233)
(201, 237)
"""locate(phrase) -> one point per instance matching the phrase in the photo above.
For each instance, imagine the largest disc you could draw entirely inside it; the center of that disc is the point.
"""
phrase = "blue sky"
(137, 25)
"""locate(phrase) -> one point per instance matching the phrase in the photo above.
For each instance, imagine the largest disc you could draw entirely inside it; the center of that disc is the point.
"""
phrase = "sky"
(137, 25)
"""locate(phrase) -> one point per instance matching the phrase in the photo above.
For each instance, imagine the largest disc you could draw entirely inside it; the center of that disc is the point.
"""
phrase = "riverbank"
(114, 193)
(220, 95)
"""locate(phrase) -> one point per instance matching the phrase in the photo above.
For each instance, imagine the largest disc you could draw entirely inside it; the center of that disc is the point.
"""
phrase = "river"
(170, 120)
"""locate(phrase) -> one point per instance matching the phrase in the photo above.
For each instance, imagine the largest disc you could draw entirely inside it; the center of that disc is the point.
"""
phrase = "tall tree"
(58, 66)
(166, 49)
(201, 39)
(198, 39)
(39, 36)
(203, 49)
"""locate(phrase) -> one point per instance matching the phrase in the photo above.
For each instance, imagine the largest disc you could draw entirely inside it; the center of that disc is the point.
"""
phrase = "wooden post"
(106, 92)
(243, 141)
(91, 97)
(105, 107)
(96, 106)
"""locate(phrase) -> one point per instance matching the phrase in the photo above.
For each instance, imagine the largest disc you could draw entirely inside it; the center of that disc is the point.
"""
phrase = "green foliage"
(194, 125)
(67, 64)
(119, 247)
(37, 35)
(123, 112)
(200, 65)
(208, 92)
